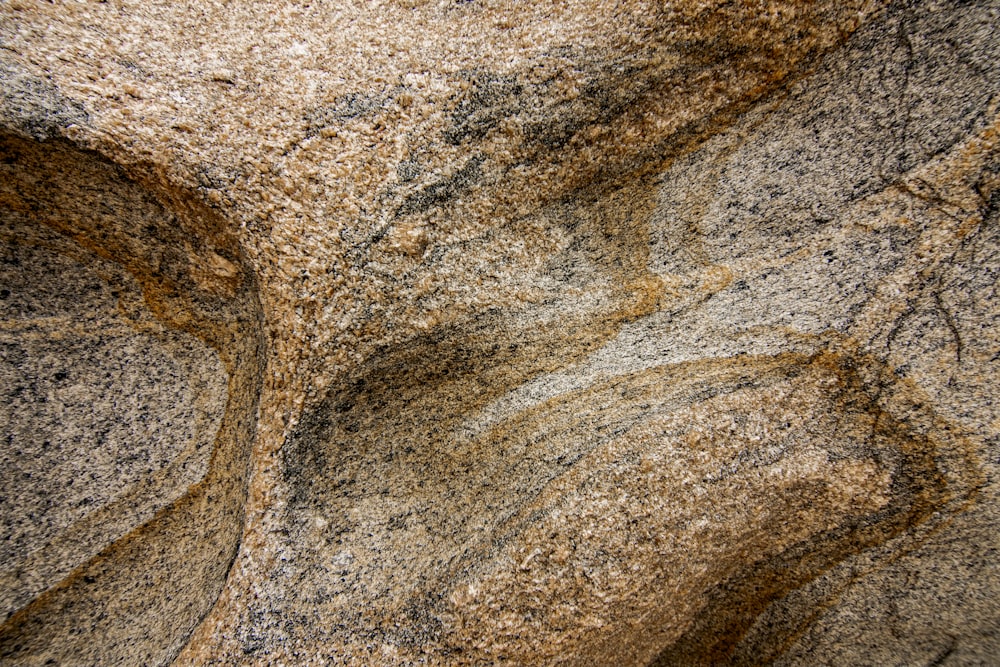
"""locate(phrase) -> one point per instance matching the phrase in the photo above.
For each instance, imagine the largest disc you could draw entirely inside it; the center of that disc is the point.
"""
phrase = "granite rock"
(469, 333)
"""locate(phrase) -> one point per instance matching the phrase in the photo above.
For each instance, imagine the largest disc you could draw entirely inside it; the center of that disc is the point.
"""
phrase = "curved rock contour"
(477, 333)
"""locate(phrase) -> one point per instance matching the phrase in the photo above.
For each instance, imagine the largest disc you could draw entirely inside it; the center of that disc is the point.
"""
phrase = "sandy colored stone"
(492, 333)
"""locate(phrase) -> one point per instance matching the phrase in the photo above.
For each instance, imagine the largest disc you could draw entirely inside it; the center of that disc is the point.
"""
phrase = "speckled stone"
(131, 366)
(467, 333)
(107, 416)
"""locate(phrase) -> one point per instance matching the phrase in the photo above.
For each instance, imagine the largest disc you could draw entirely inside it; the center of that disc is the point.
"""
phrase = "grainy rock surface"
(475, 333)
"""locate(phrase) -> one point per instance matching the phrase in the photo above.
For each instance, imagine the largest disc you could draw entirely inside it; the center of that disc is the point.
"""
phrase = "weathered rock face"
(458, 333)
(132, 358)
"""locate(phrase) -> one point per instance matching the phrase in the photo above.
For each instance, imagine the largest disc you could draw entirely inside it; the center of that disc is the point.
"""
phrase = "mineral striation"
(477, 332)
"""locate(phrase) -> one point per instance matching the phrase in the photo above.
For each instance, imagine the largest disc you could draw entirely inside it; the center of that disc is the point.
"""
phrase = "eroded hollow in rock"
(130, 365)
(99, 402)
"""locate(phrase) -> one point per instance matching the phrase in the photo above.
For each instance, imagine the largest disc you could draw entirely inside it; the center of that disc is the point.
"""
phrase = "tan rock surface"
(487, 333)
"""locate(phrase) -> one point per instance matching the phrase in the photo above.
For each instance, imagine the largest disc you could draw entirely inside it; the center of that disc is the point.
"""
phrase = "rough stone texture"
(132, 357)
(106, 415)
(469, 333)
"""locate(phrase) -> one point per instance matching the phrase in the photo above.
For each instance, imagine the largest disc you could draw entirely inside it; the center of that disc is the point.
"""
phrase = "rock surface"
(462, 333)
